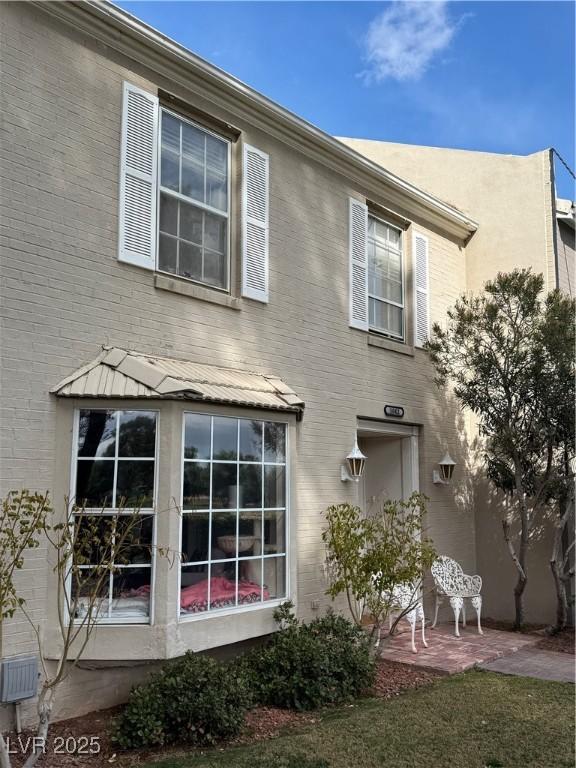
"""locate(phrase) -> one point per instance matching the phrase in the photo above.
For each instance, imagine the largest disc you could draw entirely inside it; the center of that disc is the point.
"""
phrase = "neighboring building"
(206, 301)
(513, 200)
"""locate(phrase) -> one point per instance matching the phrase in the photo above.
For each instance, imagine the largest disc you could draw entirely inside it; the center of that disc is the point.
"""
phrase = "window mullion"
(210, 513)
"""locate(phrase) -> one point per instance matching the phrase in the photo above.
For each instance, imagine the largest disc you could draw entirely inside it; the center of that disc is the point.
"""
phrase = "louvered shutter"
(421, 291)
(255, 193)
(358, 257)
(138, 173)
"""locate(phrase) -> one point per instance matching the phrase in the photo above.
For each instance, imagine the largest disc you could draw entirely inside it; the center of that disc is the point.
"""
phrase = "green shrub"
(194, 700)
(305, 666)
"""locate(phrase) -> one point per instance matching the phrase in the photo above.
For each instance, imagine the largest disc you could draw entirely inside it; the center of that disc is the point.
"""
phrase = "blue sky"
(490, 76)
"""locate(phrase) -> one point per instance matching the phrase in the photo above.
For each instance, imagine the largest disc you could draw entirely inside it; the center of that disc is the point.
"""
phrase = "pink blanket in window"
(222, 593)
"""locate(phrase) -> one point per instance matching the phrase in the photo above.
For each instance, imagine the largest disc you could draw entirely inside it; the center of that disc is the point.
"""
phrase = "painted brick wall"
(64, 294)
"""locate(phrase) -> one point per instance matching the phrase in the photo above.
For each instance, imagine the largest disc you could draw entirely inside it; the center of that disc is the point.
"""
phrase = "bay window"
(385, 279)
(114, 483)
(194, 205)
(233, 531)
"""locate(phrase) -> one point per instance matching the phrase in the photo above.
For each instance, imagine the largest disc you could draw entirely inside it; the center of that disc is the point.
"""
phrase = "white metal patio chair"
(451, 582)
(407, 596)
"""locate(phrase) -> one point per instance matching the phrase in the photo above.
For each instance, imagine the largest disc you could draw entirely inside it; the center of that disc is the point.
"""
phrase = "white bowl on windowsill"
(228, 543)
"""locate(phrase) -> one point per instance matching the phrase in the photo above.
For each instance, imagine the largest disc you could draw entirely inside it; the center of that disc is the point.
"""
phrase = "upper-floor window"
(385, 279)
(194, 202)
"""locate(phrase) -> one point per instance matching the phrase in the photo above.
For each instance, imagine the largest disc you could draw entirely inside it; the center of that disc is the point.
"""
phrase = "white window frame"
(145, 511)
(263, 604)
(190, 201)
(402, 306)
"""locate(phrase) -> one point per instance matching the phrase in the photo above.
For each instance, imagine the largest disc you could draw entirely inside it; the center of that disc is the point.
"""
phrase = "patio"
(449, 654)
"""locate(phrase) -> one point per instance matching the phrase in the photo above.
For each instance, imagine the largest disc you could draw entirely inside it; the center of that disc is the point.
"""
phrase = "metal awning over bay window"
(120, 373)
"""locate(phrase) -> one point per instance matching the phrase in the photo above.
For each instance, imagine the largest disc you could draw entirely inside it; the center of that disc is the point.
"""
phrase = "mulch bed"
(563, 642)
(392, 679)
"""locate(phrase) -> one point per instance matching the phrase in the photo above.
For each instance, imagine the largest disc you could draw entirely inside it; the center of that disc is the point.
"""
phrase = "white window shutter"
(421, 291)
(138, 175)
(358, 257)
(255, 213)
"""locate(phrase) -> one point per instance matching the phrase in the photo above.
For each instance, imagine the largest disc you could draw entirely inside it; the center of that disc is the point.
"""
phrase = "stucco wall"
(64, 294)
(566, 258)
(511, 199)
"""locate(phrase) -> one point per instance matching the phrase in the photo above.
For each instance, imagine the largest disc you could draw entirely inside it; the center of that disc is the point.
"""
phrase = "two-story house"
(206, 302)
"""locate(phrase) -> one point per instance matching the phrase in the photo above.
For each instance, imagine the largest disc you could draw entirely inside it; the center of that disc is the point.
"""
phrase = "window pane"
(135, 484)
(194, 589)
(215, 269)
(214, 233)
(167, 260)
(168, 214)
(274, 532)
(216, 190)
(193, 143)
(196, 436)
(170, 132)
(216, 154)
(190, 262)
(196, 485)
(274, 442)
(90, 588)
(192, 179)
(97, 433)
(195, 528)
(93, 539)
(224, 488)
(94, 483)
(274, 482)
(133, 539)
(249, 581)
(137, 433)
(250, 486)
(274, 578)
(225, 438)
(191, 223)
(224, 535)
(250, 440)
(131, 593)
(170, 170)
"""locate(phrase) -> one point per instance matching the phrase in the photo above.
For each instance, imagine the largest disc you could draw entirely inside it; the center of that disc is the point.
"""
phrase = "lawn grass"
(473, 720)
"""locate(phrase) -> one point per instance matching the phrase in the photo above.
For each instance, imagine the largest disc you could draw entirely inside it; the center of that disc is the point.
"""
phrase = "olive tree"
(508, 354)
(368, 555)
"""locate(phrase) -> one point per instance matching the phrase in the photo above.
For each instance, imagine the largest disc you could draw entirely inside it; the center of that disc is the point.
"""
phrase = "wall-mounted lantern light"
(446, 465)
(355, 463)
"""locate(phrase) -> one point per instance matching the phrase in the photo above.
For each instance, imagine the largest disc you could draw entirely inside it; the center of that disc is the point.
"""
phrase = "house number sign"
(394, 410)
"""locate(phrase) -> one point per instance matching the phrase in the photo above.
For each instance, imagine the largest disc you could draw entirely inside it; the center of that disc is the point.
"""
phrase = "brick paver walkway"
(450, 654)
(536, 662)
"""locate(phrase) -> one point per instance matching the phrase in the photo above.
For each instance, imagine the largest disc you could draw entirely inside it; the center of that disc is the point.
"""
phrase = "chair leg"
(423, 619)
(477, 603)
(389, 623)
(437, 605)
(411, 616)
(456, 603)
(463, 613)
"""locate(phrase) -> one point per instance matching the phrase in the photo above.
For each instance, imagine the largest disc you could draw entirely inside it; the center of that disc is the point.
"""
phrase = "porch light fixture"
(355, 463)
(446, 465)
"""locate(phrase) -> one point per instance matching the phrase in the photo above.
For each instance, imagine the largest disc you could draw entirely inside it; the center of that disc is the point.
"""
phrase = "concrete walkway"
(536, 662)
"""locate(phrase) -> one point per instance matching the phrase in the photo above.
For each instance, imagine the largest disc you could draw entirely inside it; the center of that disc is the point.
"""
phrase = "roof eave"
(134, 38)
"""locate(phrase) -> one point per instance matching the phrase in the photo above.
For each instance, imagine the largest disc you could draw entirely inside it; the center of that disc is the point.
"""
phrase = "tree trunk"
(5, 761)
(45, 703)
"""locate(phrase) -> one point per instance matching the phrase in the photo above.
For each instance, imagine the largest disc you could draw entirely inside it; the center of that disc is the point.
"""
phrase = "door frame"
(409, 435)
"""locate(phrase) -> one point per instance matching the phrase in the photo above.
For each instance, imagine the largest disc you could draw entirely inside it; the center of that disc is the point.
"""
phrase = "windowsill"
(393, 346)
(184, 288)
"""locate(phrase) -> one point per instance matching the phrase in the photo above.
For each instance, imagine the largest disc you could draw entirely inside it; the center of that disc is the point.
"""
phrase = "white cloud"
(404, 39)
